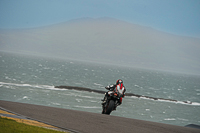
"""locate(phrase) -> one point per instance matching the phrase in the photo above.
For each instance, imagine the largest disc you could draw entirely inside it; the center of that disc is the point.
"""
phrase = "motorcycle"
(112, 101)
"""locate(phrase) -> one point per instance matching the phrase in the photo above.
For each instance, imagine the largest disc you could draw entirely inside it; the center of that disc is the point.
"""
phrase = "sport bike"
(112, 101)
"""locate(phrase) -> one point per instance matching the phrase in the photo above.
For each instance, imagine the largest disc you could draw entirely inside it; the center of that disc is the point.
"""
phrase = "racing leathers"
(116, 88)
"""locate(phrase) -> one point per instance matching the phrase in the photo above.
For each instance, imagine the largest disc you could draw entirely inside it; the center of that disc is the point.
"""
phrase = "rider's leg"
(119, 103)
(105, 98)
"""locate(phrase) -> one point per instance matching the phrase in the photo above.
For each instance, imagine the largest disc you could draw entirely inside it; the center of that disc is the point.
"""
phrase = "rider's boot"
(104, 100)
(116, 106)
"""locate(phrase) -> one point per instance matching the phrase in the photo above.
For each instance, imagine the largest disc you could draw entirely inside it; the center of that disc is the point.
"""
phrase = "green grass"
(11, 126)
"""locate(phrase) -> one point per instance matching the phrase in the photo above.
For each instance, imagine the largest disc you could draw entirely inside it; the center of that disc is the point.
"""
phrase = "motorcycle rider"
(118, 87)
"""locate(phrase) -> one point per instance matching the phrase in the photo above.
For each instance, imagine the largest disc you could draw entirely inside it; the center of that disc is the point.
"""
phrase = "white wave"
(151, 88)
(182, 119)
(25, 97)
(195, 103)
(170, 101)
(98, 84)
(79, 100)
(87, 107)
(94, 101)
(14, 84)
(90, 97)
(32, 86)
(189, 103)
(170, 119)
(23, 85)
(55, 103)
(137, 86)
(181, 102)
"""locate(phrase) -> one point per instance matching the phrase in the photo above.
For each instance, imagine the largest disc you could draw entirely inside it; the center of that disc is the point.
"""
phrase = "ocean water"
(31, 79)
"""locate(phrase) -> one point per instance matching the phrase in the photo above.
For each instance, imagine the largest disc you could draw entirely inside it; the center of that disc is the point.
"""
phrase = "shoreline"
(127, 94)
(87, 122)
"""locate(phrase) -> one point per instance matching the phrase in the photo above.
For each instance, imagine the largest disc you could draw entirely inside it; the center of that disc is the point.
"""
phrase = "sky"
(181, 17)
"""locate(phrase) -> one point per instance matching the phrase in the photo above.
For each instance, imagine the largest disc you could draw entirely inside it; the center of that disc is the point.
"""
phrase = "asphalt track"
(86, 122)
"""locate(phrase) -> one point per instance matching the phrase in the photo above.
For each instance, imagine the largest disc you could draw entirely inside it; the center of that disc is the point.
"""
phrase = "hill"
(110, 41)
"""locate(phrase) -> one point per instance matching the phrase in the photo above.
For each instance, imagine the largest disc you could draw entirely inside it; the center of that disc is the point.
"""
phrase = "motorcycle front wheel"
(109, 108)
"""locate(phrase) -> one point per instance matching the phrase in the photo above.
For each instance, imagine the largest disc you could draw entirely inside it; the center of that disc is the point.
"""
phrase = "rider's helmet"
(119, 81)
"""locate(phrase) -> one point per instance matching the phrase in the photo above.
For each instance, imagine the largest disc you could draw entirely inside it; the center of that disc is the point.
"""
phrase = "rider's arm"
(110, 87)
(124, 91)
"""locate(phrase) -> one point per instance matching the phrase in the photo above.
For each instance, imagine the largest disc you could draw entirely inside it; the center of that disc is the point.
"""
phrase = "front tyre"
(109, 107)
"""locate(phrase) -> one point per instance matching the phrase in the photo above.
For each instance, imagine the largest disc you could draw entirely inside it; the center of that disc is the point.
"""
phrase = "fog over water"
(107, 40)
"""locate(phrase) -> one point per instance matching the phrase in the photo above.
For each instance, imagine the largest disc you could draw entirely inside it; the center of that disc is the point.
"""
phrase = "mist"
(107, 40)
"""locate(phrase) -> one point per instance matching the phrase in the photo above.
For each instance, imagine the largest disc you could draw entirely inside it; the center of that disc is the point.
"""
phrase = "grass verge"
(11, 126)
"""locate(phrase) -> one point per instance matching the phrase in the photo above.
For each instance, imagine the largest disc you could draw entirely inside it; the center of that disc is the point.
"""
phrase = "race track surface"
(86, 122)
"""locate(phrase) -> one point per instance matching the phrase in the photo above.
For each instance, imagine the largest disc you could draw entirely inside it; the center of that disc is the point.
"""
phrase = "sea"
(32, 79)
